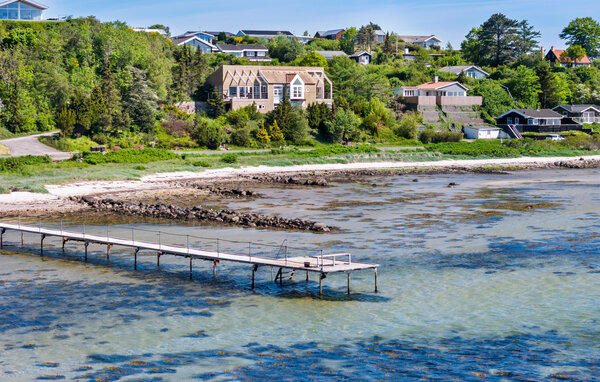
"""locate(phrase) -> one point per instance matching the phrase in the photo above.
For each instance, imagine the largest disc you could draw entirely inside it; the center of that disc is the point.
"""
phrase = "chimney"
(543, 51)
(436, 79)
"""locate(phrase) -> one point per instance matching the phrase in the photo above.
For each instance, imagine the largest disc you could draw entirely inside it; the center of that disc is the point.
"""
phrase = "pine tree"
(263, 135)
(276, 134)
(216, 105)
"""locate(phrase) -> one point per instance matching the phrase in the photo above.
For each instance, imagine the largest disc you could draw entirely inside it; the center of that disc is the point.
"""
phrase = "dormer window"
(297, 89)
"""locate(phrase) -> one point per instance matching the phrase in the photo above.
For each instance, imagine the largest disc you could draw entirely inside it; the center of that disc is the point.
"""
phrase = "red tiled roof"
(558, 52)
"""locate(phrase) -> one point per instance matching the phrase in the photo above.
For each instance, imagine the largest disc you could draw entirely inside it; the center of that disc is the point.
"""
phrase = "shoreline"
(58, 196)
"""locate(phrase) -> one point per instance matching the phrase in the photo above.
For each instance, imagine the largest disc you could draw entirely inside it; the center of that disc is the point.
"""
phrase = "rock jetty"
(199, 213)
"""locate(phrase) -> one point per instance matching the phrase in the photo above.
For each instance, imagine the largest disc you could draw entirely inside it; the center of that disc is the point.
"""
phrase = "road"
(30, 145)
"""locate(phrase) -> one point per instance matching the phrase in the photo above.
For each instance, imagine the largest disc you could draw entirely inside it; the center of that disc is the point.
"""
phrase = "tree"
(216, 104)
(499, 40)
(312, 59)
(348, 39)
(343, 125)
(222, 37)
(285, 49)
(161, 27)
(525, 87)
(291, 120)
(208, 133)
(140, 101)
(573, 54)
(263, 135)
(408, 126)
(584, 32)
(496, 100)
(65, 121)
(275, 131)
(366, 36)
(318, 114)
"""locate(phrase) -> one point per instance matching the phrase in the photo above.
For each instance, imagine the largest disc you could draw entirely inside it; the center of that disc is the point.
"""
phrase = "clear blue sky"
(449, 20)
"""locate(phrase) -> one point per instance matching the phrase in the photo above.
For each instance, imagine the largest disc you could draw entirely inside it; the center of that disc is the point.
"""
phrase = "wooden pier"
(322, 264)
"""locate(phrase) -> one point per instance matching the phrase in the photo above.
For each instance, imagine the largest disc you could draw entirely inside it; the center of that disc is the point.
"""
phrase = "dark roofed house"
(267, 34)
(580, 113)
(216, 34)
(25, 10)
(427, 42)
(363, 58)
(251, 52)
(469, 70)
(196, 42)
(333, 34)
(536, 121)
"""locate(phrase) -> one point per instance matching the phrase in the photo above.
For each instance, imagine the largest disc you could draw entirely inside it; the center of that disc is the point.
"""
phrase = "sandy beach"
(57, 196)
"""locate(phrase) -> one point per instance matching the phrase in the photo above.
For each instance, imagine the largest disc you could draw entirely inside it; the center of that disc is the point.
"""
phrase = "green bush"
(476, 148)
(431, 136)
(229, 158)
(333, 150)
(17, 164)
(201, 164)
(130, 156)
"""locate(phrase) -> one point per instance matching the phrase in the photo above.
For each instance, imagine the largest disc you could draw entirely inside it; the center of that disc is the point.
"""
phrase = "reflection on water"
(496, 278)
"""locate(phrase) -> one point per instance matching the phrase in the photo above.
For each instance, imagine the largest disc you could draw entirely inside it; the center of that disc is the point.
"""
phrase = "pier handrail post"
(321, 258)
(187, 243)
(159, 243)
(19, 221)
(286, 254)
(250, 250)
(218, 249)
(107, 234)
(61, 226)
(84, 229)
(132, 236)
(39, 224)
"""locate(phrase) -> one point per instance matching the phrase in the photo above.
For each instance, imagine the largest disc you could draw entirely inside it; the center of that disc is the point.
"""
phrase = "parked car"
(554, 137)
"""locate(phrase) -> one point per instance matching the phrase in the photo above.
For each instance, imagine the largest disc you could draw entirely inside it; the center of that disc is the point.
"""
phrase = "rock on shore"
(200, 214)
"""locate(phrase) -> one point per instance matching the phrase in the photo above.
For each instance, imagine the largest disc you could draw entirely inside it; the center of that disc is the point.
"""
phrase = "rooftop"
(461, 68)
(413, 39)
(29, 2)
(265, 32)
(537, 113)
(439, 85)
(578, 108)
(558, 52)
(241, 48)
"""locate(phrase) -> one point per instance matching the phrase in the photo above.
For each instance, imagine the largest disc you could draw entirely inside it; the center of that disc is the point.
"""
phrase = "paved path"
(30, 145)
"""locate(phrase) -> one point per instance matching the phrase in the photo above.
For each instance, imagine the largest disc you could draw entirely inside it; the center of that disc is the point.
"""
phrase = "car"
(554, 137)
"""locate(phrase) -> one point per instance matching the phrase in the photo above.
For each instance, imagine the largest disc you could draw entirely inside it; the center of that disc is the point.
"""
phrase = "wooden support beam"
(2, 237)
(158, 255)
(108, 247)
(64, 240)
(191, 269)
(86, 244)
(42, 245)
(306, 276)
(22, 242)
(321, 277)
(254, 269)
(376, 289)
(348, 283)
(135, 258)
(278, 274)
(215, 262)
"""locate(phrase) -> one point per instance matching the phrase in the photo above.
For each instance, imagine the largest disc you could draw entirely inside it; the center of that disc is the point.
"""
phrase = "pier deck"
(322, 264)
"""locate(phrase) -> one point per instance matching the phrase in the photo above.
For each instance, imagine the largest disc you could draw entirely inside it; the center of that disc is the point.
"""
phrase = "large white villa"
(21, 10)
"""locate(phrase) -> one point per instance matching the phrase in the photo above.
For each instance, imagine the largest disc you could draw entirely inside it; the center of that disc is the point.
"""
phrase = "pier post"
(215, 262)
(22, 242)
(376, 289)
(86, 244)
(42, 245)
(348, 283)
(158, 255)
(254, 269)
(64, 240)
(278, 275)
(321, 277)
(135, 258)
(2, 238)
(108, 246)
(306, 276)
(191, 269)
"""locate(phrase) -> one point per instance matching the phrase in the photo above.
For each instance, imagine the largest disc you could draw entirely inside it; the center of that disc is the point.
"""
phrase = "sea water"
(496, 277)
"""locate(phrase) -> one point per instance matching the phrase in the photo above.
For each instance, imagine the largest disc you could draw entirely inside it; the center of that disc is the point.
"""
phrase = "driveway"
(30, 145)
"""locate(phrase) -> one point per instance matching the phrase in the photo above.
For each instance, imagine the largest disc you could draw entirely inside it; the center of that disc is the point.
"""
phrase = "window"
(509, 121)
(261, 54)
(530, 121)
(297, 89)
(517, 121)
(409, 93)
(233, 93)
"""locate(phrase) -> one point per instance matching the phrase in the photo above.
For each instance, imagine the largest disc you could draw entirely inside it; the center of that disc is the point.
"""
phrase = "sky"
(448, 20)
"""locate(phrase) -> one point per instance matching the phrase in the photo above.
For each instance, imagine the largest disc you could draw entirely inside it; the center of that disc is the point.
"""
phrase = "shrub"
(430, 136)
(130, 156)
(17, 164)
(476, 148)
(201, 163)
(208, 133)
(229, 158)
(333, 150)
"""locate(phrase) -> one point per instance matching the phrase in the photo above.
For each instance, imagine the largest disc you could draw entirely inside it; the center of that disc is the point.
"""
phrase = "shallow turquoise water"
(465, 293)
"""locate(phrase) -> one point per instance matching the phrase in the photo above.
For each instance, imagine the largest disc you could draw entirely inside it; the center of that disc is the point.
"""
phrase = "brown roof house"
(554, 56)
(438, 93)
(267, 86)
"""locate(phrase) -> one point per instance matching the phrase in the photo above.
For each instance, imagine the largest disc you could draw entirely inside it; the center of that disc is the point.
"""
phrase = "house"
(536, 121)
(267, 86)
(427, 42)
(554, 56)
(438, 93)
(26, 10)
(216, 34)
(333, 34)
(251, 52)
(196, 42)
(201, 35)
(379, 35)
(484, 132)
(269, 34)
(580, 113)
(413, 57)
(469, 70)
(330, 54)
(363, 58)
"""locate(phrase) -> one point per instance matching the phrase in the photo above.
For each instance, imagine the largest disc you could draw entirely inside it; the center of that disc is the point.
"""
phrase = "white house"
(196, 42)
(26, 10)
(427, 42)
(363, 58)
(469, 70)
(438, 93)
(484, 132)
(251, 52)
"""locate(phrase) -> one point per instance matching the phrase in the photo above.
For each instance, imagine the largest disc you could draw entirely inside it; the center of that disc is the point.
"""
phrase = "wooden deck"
(322, 263)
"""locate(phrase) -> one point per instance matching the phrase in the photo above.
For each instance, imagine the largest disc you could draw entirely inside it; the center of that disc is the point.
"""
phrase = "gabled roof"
(462, 68)
(194, 33)
(329, 54)
(331, 32)
(578, 108)
(415, 39)
(185, 40)
(558, 52)
(358, 54)
(216, 34)
(286, 77)
(379, 32)
(440, 85)
(29, 2)
(265, 32)
(240, 48)
(534, 113)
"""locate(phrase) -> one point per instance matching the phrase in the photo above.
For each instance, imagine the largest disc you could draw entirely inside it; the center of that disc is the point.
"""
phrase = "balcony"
(587, 120)
(543, 128)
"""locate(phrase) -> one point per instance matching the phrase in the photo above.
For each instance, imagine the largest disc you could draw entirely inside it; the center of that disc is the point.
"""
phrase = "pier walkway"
(322, 264)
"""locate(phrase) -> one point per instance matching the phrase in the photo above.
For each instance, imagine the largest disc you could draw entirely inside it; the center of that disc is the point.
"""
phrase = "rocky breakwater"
(581, 163)
(199, 213)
